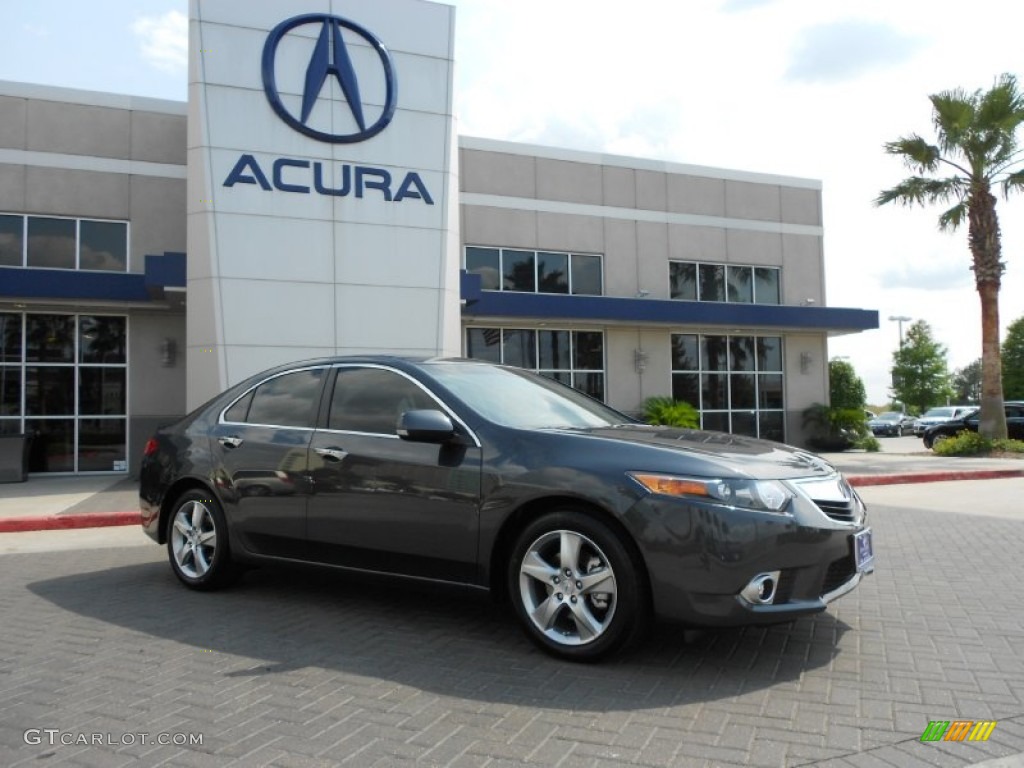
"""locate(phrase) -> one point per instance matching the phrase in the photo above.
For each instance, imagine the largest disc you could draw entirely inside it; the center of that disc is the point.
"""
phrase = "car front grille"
(839, 572)
(842, 511)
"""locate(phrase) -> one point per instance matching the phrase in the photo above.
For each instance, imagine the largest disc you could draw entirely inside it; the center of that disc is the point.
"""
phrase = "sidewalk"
(47, 503)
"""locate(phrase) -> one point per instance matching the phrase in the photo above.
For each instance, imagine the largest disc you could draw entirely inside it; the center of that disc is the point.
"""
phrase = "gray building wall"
(105, 156)
(640, 215)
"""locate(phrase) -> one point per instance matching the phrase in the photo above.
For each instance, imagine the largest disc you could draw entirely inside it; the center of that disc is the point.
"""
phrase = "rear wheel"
(576, 589)
(197, 542)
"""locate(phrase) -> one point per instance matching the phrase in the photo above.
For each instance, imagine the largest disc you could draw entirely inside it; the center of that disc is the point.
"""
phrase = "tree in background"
(967, 383)
(977, 146)
(1013, 361)
(920, 377)
(846, 390)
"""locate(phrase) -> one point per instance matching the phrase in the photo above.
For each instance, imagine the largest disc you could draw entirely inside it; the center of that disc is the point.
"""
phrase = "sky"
(791, 87)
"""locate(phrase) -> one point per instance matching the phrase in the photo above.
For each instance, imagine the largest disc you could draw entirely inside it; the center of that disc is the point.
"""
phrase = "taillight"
(151, 447)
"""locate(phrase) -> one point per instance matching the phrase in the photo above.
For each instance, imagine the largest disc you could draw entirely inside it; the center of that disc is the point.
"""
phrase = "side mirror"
(425, 426)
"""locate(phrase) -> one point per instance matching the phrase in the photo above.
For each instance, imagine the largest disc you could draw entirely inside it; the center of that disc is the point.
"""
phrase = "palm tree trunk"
(986, 250)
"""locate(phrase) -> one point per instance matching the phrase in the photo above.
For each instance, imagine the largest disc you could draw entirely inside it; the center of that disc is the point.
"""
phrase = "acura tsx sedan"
(589, 523)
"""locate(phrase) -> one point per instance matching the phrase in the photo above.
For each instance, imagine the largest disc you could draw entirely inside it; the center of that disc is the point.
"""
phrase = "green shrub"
(670, 413)
(868, 443)
(1009, 446)
(965, 443)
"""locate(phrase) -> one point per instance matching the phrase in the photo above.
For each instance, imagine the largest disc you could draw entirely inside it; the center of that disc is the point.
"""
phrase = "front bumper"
(701, 556)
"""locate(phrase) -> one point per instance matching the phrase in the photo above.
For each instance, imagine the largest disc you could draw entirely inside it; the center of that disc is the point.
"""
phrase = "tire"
(197, 542)
(602, 607)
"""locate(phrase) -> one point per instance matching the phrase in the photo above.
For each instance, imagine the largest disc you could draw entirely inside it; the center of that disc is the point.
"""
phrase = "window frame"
(535, 258)
(727, 268)
(78, 220)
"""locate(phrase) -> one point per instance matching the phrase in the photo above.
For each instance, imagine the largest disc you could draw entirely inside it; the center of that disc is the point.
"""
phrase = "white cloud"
(844, 49)
(164, 40)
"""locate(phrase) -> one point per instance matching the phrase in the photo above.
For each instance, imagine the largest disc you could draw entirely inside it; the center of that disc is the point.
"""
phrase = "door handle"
(230, 442)
(331, 454)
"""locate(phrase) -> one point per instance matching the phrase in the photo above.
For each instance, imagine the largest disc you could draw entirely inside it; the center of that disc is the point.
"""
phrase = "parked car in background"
(892, 423)
(1014, 424)
(587, 521)
(940, 415)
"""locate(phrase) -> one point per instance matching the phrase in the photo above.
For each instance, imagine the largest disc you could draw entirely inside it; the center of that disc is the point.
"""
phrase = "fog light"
(761, 589)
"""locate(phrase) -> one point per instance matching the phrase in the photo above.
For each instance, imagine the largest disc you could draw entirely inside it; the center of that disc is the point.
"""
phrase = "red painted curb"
(934, 477)
(58, 522)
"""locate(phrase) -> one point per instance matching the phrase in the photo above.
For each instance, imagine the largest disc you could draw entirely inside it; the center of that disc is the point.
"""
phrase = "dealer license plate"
(863, 551)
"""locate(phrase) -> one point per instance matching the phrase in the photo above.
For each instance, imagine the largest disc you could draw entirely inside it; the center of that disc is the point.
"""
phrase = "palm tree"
(977, 145)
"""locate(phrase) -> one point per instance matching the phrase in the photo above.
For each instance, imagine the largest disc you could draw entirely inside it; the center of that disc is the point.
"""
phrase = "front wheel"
(577, 591)
(197, 542)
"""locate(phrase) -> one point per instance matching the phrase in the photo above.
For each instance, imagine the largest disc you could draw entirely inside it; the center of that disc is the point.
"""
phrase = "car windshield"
(520, 399)
(939, 413)
(891, 416)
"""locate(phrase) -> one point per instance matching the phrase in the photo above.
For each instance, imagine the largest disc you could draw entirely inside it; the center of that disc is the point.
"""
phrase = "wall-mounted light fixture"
(806, 358)
(168, 352)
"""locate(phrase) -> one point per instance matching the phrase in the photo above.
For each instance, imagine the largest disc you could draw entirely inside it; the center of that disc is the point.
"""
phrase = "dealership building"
(313, 198)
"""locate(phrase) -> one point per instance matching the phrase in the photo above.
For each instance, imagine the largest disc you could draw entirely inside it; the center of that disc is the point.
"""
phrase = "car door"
(261, 446)
(386, 504)
(1015, 422)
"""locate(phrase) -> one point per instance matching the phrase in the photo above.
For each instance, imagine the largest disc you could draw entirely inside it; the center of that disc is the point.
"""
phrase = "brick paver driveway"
(299, 668)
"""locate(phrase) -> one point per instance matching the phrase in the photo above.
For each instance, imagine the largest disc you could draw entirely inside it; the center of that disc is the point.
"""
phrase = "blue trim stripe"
(545, 306)
(163, 271)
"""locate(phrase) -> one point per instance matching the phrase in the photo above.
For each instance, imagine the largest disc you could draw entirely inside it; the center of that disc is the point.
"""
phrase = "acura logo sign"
(330, 58)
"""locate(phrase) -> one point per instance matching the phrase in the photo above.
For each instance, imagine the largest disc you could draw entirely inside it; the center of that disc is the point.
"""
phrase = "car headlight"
(762, 495)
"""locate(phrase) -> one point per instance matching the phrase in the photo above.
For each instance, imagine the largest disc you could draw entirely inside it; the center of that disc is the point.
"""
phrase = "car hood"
(717, 453)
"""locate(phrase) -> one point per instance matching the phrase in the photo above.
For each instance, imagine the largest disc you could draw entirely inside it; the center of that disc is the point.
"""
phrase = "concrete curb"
(62, 522)
(934, 477)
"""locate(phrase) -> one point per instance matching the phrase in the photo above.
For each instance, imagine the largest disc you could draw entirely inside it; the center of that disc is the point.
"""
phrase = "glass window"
(239, 412)
(714, 391)
(50, 390)
(766, 286)
(519, 271)
(101, 339)
(741, 391)
(712, 282)
(713, 353)
(769, 388)
(552, 272)
(102, 391)
(486, 263)
(740, 284)
(686, 387)
(289, 400)
(771, 425)
(741, 376)
(50, 338)
(11, 241)
(769, 353)
(554, 350)
(10, 390)
(10, 338)
(682, 280)
(484, 344)
(590, 383)
(101, 445)
(565, 356)
(372, 400)
(586, 275)
(103, 245)
(519, 348)
(51, 242)
(589, 350)
(53, 445)
(741, 353)
(684, 352)
(744, 423)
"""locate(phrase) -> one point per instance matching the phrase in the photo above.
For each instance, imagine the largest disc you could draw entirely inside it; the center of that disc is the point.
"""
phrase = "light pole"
(900, 319)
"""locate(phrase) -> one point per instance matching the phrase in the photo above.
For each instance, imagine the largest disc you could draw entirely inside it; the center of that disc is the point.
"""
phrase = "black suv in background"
(1014, 424)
